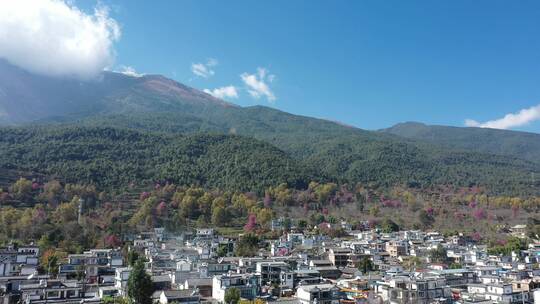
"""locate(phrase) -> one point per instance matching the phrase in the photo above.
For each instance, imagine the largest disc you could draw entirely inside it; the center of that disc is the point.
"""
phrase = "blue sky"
(370, 64)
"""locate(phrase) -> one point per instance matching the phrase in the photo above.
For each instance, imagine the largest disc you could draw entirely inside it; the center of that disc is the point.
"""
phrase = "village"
(366, 266)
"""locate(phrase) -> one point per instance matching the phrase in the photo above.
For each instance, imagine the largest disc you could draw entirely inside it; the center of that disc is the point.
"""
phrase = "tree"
(222, 250)
(287, 224)
(112, 241)
(426, 220)
(232, 296)
(140, 287)
(117, 300)
(264, 216)
(251, 223)
(51, 192)
(360, 200)
(374, 211)
(412, 263)
(388, 226)
(161, 209)
(132, 257)
(219, 216)
(506, 247)
(438, 255)
(22, 189)
(49, 261)
(366, 265)
(247, 245)
(479, 213)
(189, 207)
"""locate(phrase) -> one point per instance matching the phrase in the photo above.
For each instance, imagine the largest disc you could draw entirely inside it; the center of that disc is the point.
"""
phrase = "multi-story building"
(276, 272)
(396, 248)
(55, 291)
(318, 293)
(95, 265)
(339, 257)
(248, 284)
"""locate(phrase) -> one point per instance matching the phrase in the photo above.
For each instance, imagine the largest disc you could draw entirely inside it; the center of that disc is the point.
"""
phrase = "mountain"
(503, 142)
(26, 97)
(156, 106)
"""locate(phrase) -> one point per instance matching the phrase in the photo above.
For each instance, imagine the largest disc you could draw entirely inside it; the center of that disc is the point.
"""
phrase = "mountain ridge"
(524, 145)
(157, 106)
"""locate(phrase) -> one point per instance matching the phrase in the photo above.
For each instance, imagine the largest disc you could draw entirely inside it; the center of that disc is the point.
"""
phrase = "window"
(53, 294)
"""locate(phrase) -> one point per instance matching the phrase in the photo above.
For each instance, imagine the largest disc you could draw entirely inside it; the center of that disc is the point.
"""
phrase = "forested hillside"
(522, 145)
(349, 155)
(111, 158)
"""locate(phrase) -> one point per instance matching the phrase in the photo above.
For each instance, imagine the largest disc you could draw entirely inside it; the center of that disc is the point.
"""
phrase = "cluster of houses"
(365, 267)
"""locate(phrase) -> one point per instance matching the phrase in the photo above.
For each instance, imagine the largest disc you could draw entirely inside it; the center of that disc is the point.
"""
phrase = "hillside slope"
(113, 158)
(504, 142)
(26, 97)
(159, 105)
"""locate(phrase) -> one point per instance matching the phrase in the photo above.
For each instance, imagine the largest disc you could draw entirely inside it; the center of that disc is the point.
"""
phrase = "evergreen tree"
(140, 287)
(232, 296)
(366, 265)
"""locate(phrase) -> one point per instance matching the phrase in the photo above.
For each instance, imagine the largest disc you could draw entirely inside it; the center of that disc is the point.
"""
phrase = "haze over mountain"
(317, 149)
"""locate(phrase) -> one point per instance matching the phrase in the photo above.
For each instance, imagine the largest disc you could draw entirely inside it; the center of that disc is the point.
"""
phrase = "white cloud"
(53, 37)
(204, 70)
(223, 92)
(258, 84)
(129, 71)
(510, 120)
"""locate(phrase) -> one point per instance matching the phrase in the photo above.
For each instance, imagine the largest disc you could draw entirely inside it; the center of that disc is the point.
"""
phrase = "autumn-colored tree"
(112, 241)
(22, 189)
(50, 260)
(479, 213)
(66, 212)
(264, 216)
(189, 207)
(283, 195)
(52, 192)
(161, 209)
(251, 223)
(219, 216)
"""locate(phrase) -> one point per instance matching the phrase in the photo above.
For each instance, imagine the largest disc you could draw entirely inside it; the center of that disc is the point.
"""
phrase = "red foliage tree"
(251, 223)
(144, 196)
(161, 209)
(479, 214)
(112, 241)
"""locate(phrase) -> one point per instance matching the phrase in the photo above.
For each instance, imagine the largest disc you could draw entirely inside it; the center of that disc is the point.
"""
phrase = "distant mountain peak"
(25, 97)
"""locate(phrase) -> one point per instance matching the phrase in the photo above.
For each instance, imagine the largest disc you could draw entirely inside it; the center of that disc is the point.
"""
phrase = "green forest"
(114, 158)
